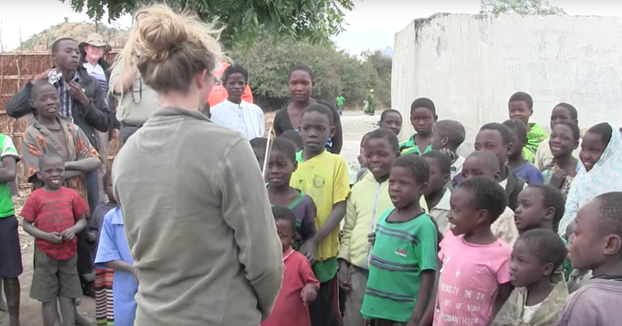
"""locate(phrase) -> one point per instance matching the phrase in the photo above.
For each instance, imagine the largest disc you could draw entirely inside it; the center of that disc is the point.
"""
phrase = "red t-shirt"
(55, 212)
(289, 309)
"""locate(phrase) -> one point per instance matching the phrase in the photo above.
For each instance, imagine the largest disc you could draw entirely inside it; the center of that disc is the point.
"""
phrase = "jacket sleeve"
(96, 113)
(19, 104)
(246, 210)
(348, 228)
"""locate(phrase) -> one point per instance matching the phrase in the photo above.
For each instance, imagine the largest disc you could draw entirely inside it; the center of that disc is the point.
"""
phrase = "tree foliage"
(245, 20)
(521, 7)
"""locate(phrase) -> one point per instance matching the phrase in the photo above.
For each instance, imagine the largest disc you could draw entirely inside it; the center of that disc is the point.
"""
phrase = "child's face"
(403, 188)
(491, 141)
(475, 167)
(379, 157)
(300, 85)
(530, 212)
(589, 242)
(260, 155)
(285, 232)
(392, 121)
(519, 110)
(108, 189)
(525, 267)
(51, 172)
(592, 148)
(437, 180)
(562, 141)
(315, 128)
(280, 169)
(235, 85)
(560, 114)
(422, 120)
(439, 139)
(46, 101)
(462, 216)
(517, 145)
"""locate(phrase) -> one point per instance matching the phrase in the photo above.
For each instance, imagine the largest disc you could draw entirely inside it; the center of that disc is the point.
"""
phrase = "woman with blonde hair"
(195, 207)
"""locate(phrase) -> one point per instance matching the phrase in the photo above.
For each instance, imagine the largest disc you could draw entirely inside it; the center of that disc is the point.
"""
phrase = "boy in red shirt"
(299, 284)
(53, 215)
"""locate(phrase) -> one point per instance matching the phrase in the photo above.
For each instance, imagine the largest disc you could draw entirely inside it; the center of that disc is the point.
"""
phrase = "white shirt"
(246, 118)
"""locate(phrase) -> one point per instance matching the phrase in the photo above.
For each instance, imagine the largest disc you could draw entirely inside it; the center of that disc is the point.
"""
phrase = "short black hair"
(552, 197)
(106, 178)
(576, 132)
(36, 85)
(546, 245)
(604, 130)
(301, 67)
(384, 113)
(387, 134)
(505, 132)
(57, 43)
(417, 165)
(522, 97)
(259, 143)
(294, 137)
(571, 109)
(234, 69)
(610, 212)
(486, 194)
(518, 127)
(441, 159)
(47, 157)
(284, 213)
(423, 102)
(286, 147)
(322, 109)
(487, 159)
(453, 130)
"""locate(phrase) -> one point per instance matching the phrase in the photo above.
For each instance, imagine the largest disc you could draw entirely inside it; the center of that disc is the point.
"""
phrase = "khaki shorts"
(55, 278)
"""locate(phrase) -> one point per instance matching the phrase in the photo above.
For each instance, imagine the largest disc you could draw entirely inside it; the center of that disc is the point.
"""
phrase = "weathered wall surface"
(469, 65)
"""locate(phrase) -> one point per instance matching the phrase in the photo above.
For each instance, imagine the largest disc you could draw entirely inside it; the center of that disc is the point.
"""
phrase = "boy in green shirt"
(422, 117)
(520, 106)
(340, 101)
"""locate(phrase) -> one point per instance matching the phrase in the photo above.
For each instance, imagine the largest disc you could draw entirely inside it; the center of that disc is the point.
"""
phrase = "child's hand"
(343, 275)
(371, 237)
(309, 293)
(54, 237)
(68, 234)
(559, 176)
(91, 237)
(309, 249)
(135, 273)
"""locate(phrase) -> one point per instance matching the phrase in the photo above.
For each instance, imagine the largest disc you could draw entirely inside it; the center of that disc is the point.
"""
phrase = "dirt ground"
(355, 125)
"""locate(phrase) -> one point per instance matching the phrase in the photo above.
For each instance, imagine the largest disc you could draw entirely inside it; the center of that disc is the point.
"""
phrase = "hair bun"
(160, 33)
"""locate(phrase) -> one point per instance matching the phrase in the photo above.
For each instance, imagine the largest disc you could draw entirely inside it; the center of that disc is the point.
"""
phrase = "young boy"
(520, 106)
(540, 291)
(300, 287)
(324, 177)
(391, 119)
(497, 139)
(259, 148)
(294, 137)
(484, 164)
(448, 135)
(10, 250)
(436, 193)
(422, 117)
(597, 245)
(53, 215)
(519, 165)
(539, 207)
(561, 112)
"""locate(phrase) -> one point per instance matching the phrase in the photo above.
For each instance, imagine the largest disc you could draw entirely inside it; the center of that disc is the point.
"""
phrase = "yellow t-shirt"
(325, 179)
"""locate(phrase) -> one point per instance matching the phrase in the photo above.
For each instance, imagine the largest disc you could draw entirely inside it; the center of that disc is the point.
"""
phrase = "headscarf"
(604, 177)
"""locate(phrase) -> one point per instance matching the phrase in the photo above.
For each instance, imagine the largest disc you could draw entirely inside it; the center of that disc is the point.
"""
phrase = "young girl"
(281, 165)
(540, 293)
(391, 119)
(422, 118)
(601, 155)
(475, 273)
(561, 112)
(564, 166)
(403, 260)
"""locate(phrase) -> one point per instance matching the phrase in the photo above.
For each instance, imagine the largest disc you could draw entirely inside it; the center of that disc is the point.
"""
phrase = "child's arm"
(53, 237)
(504, 293)
(120, 265)
(308, 229)
(8, 170)
(428, 260)
(423, 297)
(335, 217)
(309, 292)
(428, 316)
(69, 233)
(344, 248)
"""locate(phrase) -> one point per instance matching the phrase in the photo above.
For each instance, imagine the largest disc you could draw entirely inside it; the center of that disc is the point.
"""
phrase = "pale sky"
(371, 25)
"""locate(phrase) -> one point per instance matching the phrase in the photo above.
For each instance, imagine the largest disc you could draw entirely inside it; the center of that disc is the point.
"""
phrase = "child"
(540, 291)
(391, 119)
(294, 136)
(324, 177)
(562, 169)
(300, 287)
(103, 276)
(448, 135)
(259, 148)
(422, 117)
(520, 106)
(562, 112)
(577, 277)
(497, 139)
(436, 193)
(521, 167)
(281, 165)
(403, 260)
(53, 215)
(597, 246)
(475, 273)
(484, 164)
(113, 253)
(539, 207)
(368, 200)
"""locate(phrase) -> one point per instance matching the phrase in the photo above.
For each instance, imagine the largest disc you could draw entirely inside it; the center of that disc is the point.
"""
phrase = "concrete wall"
(469, 65)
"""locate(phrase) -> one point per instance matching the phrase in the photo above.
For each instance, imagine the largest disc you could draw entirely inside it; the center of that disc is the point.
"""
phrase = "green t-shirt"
(340, 100)
(401, 252)
(7, 149)
(409, 147)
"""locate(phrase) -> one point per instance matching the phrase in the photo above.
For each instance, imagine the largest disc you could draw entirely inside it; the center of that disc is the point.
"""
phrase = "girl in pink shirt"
(475, 276)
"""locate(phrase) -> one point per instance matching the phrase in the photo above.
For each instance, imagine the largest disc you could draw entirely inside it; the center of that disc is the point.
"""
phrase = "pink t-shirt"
(469, 281)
